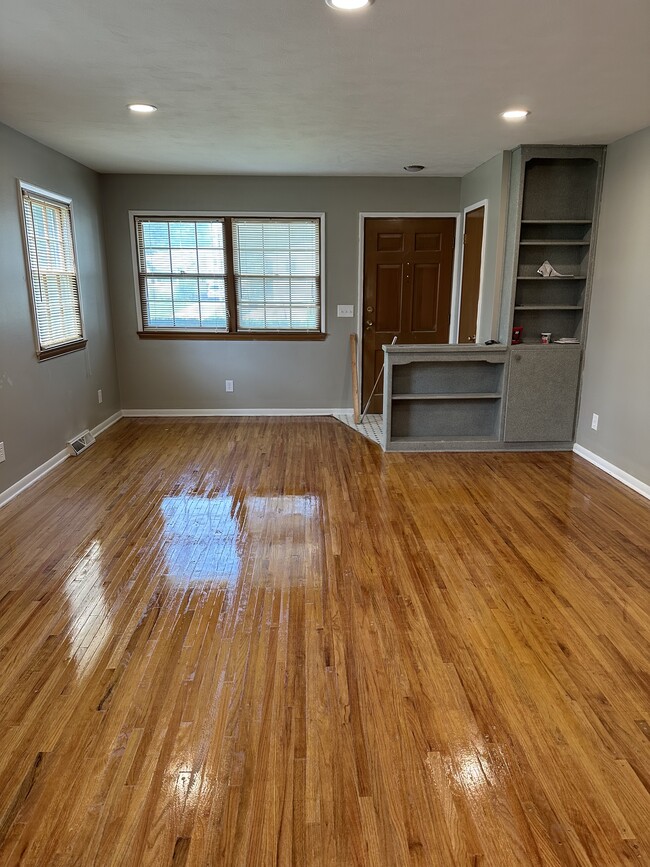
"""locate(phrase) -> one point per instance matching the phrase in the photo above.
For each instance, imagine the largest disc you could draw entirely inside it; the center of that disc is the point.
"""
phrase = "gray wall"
(616, 379)
(490, 181)
(44, 404)
(190, 374)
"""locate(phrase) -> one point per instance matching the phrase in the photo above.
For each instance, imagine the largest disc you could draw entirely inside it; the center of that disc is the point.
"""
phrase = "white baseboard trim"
(612, 470)
(109, 422)
(208, 413)
(37, 474)
(28, 480)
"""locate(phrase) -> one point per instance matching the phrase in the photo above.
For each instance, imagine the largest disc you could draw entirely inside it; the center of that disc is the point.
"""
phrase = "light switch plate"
(2, 452)
(345, 311)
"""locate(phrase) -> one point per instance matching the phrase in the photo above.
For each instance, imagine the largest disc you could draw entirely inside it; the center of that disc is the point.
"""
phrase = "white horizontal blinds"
(277, 274)
(53, 270)
(182, 273)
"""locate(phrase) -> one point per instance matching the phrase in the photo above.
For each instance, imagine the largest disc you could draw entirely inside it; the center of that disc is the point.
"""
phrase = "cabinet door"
(542, 394)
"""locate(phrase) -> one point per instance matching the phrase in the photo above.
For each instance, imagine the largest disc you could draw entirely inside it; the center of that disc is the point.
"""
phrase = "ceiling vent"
(80, 443)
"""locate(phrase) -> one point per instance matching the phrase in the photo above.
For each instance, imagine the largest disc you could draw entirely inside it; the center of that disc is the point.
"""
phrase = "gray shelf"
(400, 441)
(554, 279)
(554, 243)
(495, 395)
(556, 222)
(529, 343)
(532, 307)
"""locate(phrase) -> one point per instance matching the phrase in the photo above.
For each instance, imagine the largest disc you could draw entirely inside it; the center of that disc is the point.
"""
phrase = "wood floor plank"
(264, 642)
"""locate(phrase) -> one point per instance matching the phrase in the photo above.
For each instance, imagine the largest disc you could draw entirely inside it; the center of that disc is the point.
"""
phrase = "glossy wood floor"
(258, 642)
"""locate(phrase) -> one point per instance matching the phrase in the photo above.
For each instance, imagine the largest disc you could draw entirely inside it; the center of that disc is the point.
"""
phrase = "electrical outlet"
(345, 311)
(2, 452)
(100, 396)
(230, 385)
(594, 421)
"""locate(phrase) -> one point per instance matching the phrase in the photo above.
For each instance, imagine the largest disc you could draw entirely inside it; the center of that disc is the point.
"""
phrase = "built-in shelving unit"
(441, 397)
(558, 200)
(506, 397)
(552, 215)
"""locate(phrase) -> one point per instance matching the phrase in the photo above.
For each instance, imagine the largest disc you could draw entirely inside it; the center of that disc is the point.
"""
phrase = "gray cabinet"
(443, 398)
(542, 394)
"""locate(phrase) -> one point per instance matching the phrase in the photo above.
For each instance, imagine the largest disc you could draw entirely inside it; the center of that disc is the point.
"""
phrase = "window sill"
(64, 349)
(240, 335)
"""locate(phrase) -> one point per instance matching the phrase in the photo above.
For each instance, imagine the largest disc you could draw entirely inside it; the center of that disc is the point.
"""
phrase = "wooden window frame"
(176, 333)
(64, 348)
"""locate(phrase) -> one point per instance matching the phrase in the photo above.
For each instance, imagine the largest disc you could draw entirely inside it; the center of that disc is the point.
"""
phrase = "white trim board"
(216, 413)
(109, 422)
(614, 471)
(455, 313)
(38, 473)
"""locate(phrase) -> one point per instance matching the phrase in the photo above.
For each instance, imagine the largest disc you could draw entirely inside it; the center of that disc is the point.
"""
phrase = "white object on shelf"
(547, 270)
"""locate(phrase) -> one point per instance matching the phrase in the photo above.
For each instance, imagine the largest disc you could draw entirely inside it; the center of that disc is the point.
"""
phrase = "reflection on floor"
(263, 642)
(371, 427)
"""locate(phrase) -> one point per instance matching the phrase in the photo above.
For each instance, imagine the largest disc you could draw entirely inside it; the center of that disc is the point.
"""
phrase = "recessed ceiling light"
(414, 168)
(142, 108)
(349, 5)
(515, 114)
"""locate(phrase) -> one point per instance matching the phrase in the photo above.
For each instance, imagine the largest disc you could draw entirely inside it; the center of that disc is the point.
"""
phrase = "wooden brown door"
(471, 277)
(408, 268)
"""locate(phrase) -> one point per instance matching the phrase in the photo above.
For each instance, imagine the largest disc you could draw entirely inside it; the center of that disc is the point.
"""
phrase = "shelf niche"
(438, 400)
(558, 189)
(451, 419)
(447, 378)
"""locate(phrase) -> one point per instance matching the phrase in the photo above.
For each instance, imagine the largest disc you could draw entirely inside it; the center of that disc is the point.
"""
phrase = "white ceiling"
(290, 86)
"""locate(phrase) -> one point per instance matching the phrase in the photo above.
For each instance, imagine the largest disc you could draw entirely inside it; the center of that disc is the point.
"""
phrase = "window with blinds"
(277, 274)
(182, 273)
(47, 222)
(229, 275)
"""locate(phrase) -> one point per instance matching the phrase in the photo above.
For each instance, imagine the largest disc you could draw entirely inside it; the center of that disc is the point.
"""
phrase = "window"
(277, 274)
(54, 288)
(229, 276)
(182, 274)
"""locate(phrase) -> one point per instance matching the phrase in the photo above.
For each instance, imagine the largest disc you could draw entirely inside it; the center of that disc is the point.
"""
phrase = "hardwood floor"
(258, 642)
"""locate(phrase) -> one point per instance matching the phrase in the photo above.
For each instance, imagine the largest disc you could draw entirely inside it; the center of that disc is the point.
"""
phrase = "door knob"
(369, 323)
(472, 338)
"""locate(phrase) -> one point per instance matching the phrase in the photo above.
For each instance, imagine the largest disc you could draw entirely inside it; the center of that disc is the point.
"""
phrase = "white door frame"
(482, 204)
(455, 278)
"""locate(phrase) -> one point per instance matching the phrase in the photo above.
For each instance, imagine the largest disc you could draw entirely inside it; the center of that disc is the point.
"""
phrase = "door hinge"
(465, 238)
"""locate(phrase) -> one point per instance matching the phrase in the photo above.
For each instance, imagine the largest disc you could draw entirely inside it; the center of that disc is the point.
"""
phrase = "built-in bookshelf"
(557, 213)
(552, 216)
(440, 398)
